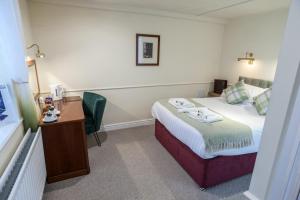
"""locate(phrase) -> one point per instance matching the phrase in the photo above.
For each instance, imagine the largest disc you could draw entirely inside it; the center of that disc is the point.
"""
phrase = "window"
(6, 106)
(2, 105)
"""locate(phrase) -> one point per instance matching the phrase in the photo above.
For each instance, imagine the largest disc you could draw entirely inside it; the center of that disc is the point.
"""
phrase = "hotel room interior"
(149, 99)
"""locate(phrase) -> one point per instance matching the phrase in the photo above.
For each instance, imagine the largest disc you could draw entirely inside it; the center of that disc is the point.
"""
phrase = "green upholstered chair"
(93, 107)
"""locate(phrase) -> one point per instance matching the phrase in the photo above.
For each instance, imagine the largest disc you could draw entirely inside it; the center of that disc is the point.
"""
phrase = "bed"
(186, 144)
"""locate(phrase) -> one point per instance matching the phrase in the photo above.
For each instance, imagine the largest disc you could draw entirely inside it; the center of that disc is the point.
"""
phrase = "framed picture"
(147, 50)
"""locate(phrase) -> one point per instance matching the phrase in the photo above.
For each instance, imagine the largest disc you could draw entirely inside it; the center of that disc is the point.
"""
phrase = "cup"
(49, 116)
(52, 110)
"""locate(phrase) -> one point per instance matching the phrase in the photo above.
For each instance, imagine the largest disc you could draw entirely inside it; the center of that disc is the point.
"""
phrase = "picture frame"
(147, 49)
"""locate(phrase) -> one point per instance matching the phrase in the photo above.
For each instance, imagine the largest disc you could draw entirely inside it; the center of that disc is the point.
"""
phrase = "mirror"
(33, 78)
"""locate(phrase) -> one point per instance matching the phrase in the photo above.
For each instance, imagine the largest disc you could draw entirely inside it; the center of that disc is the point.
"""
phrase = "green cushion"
(89, 125)
(261, 102)
(93, 107)
(236, 93)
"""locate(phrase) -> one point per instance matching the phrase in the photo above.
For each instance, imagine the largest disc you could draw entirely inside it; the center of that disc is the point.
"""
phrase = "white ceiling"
(250, 8)
(226, 9)
(193, 7)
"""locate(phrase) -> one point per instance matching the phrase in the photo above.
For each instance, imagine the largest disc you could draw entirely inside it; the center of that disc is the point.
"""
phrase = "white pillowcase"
(253, 91)
(223, 94)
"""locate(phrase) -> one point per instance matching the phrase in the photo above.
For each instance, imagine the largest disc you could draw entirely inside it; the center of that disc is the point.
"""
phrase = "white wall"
(261, 34)
(91, 48)
(27, 34)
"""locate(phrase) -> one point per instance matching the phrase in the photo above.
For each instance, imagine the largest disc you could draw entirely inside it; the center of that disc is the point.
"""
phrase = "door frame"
(276, 173)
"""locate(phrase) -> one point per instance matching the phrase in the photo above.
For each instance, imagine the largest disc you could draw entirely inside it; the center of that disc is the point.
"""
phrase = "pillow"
(261, 102)
(236, 93)
(253, 91)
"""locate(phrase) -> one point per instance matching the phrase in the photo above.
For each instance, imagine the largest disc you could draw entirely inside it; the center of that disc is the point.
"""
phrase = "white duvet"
(244, 113)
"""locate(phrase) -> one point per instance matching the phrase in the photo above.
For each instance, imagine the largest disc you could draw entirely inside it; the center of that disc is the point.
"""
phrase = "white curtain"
(13, 68)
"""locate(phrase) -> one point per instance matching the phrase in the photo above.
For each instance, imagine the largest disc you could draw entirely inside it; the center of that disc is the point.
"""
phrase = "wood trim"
(128, 124)
(133, 87)
(250, 196)
(84, 139)
(137, 49)
(68, 175)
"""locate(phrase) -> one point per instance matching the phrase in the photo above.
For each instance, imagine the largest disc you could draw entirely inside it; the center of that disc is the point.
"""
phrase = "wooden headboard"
(256, 82)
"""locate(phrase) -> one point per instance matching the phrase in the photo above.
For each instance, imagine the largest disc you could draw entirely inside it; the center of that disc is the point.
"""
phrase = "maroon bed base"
(206, 172)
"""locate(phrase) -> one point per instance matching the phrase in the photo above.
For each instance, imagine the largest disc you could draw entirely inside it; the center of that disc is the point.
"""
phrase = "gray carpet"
(132, 165)
(237, 197)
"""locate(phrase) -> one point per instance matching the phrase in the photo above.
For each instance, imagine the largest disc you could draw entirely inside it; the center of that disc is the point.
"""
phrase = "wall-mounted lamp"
(249, 57)
(38, 54)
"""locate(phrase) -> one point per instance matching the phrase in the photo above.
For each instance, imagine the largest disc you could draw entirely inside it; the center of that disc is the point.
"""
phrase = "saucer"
(49, 120)
(56, 112)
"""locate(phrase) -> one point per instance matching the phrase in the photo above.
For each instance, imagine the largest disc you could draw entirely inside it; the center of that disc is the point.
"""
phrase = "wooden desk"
(65, 143)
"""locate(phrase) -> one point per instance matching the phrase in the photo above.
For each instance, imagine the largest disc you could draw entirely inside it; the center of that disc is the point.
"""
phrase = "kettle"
(57, 91)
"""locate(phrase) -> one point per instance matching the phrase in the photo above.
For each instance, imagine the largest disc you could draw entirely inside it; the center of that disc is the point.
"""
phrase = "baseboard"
(250, 196)
(124, 125)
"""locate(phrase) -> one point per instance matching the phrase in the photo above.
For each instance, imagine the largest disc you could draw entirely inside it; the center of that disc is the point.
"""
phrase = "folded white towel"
(207, 119)
(181, 103)
(203, 114)
(203, 110)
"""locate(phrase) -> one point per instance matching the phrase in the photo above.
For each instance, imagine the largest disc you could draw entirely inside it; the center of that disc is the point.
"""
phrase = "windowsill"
(7, 131)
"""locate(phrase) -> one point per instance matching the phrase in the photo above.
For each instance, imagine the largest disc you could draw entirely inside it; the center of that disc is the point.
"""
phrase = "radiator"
(25, 175)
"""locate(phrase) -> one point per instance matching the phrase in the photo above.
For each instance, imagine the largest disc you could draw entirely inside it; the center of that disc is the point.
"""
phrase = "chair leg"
(97, 139)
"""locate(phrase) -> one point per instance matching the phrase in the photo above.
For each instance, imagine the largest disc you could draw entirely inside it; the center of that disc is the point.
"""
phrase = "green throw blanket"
(225, 134)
